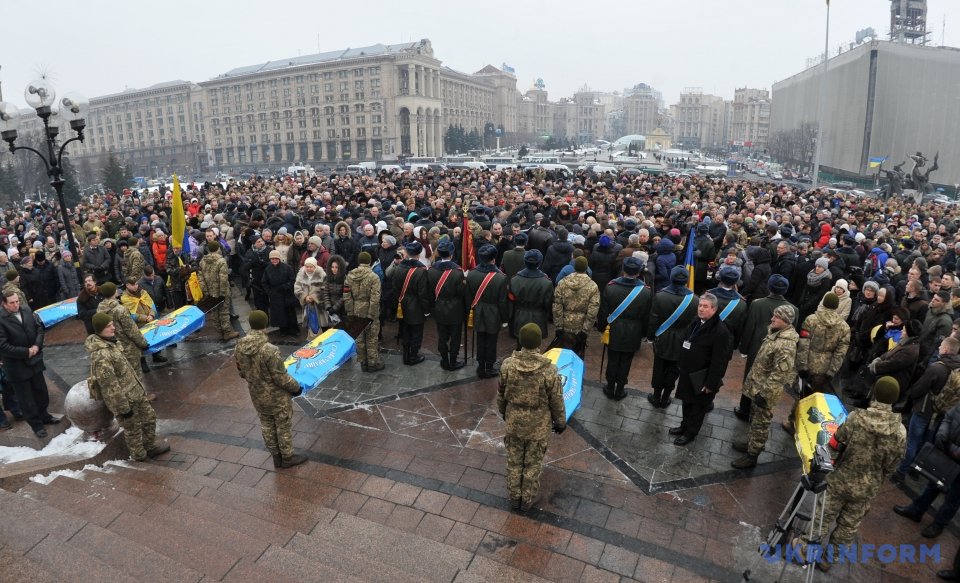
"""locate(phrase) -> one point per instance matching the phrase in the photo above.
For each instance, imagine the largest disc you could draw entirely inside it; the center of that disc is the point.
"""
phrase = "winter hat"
(12, 274)
(520, 240)
(274, 253)
(413, 248)
(445, 248)
(632, 266)
(831, 301)
(487, 253)
(729, 274)
(703, 229)
(679, 274)
(533, 258)
(363, 258)
(311, 261)
(823, 262)
(258, 320)
(872, 285)
(785, 312)
(604, 241)
(315, 241)
(108, 289)
(580, 264)
(213, 246)
(778, 284)
(100, 321)
(390, 239)
(530, 336)
(886, 390)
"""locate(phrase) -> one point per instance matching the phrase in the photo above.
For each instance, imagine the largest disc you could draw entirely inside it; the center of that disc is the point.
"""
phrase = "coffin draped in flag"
(570, 367)
(314, 362)
(817, 419)
(172, 328)
(58, 312)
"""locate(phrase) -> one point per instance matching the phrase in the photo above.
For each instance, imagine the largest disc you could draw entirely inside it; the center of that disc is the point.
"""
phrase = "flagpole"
(822, 102)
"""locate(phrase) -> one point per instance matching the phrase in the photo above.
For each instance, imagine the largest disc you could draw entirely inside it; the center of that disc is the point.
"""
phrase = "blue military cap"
(728, 274)
(487, 253)
(533, 258)
(520, 239)
(632, 266)
(445, 248)
(413, 248)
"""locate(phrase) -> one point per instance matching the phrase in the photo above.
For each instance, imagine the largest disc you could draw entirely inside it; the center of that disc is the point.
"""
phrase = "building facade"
(751, 118)
(701, 120)
(641, 109)
(883, 99)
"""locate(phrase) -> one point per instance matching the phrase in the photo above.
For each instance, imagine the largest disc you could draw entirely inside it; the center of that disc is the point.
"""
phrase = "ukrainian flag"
(177, 222)
(688, 262)
(877, 160)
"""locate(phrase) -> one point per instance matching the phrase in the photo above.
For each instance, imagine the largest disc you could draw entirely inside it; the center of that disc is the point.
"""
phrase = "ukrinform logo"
(860, 554)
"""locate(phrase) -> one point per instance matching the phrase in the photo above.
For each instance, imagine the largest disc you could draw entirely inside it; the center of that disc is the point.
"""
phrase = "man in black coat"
(447, 286)
(540, 237)
(705, 355)
(487, 299)
(627, 325)
(410, 285)
(21, 344)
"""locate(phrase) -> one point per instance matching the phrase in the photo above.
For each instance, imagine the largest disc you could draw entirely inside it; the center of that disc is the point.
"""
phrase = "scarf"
(814, 279)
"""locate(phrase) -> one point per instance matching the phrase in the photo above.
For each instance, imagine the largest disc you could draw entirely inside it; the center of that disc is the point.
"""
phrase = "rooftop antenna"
(943, 31)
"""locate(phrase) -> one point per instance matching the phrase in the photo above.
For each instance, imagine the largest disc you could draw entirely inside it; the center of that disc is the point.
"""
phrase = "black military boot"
(654, 399)
(277, 460)
(444, 363)
(608, 390)
(294, 460)
(143, 364)
(620, 392)
(452, 363)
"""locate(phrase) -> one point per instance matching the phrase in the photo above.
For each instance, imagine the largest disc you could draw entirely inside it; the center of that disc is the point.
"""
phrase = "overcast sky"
(99, 47)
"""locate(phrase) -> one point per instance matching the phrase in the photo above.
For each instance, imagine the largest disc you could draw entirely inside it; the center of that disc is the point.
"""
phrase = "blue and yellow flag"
(570, 367)
(178, 225)
(312, 363)
(688, 262)
(877, 160)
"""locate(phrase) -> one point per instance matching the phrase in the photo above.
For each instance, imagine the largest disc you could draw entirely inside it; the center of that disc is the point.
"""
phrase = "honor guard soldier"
(488, 310)
(532, 293)
(447, 288)
(410, 285)
(624, 313)
(674, 309)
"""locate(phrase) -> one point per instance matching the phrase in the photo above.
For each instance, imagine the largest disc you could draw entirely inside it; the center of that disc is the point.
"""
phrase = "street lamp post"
(822, 102)
(41, 96)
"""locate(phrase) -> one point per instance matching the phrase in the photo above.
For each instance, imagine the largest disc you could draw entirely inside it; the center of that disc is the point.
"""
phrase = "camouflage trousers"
(847, 512)
(275, 424)
(221, 315)
(760, 418)
(133, 357)
(368, 344)
(524, 465)
(140, 429)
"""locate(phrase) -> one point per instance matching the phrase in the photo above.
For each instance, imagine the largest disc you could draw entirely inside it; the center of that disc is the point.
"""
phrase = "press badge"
(686, 345)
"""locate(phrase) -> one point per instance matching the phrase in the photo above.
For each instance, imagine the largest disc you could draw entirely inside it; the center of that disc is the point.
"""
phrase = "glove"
(127, 415)
(558, 429)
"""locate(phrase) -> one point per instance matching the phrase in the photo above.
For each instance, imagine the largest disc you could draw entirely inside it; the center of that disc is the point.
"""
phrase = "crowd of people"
(820, 290)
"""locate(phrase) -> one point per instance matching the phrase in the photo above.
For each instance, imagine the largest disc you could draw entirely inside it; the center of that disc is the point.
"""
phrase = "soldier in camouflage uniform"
(773, 368)
(271, 387)
(530, 400)
(115, 381)
(215, 283)
(133, 262)
(13, 284)
(576, 302)
(361, 299)
(128, 335)
(872, 442)
(824, 340)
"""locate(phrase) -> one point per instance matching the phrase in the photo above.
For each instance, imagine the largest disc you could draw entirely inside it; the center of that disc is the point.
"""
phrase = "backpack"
(872, 265)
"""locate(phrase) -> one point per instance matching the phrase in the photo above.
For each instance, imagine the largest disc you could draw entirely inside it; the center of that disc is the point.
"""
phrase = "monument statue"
(920, 179)
(895, 179)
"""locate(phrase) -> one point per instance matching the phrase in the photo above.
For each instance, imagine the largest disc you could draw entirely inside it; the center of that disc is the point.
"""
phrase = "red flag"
(468, 257)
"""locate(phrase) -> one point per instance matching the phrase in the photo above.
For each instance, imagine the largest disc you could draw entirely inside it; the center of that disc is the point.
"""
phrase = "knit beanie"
(886, 390)
(580, 264)
(363, 258)
(831, 301)
(100, 321)
(530, 336)
(12, 274)
(778, 284)
(213, 246)
(258, 320)
(785, 312)
(108, 289)
(823, 262)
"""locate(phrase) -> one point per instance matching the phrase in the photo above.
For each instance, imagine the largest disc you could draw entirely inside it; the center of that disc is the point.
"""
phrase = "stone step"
(17, 567)
(262, 530)
(413, 554)
(131, 558)
(195, 552)
(483, 570)
(348, 560)
(103, 492)
(304, 569)
(26, 522)
(116, 476)
(87, 508)
(276, 508)
(189, 525)
(246, 571)
(170, 478)
(75, 565)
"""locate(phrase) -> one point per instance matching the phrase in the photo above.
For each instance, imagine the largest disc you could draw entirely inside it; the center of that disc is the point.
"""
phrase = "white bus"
(500, 163)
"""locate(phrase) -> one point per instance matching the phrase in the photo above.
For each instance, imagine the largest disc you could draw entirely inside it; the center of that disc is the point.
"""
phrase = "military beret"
(413, 248)
(530, 336)
(533, 258)
(258, 320)
(364, 258)
(729, 274)
(100, 321)
(445, 248)
(632, 266)
(487, 253)
(108, 289)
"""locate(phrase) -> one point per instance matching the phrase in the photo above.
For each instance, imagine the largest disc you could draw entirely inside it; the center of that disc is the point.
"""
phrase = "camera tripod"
(789, 539)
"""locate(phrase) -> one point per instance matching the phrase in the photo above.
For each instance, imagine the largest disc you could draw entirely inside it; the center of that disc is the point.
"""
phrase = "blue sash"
(729, 309)
(625, 303)
(675, 315)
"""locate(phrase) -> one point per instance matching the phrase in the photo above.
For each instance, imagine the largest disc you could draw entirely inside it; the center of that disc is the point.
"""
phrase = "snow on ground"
(70, 442)
(75, 474)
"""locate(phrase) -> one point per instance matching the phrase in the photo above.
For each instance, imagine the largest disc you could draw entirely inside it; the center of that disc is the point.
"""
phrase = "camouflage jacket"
(133, 263)
(128, 334)
(111, 376)
(875, 441)
(576, 303)
(824, 340)
(260, 363)
(530, 396)
(773, 368)
(361, 293)
(214, 276)
(12, 286)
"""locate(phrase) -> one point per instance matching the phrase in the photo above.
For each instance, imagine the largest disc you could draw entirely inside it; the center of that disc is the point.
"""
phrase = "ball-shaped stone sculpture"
(90, 415)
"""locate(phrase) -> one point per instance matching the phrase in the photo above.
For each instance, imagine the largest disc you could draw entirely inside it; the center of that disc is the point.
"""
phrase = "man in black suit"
(705, 353)
(21, 346)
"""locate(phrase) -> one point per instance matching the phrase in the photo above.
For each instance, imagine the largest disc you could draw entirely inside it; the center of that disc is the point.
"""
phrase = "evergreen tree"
(10, 188)
(71, 185)
(522, 152)
(113, 175)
